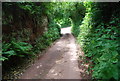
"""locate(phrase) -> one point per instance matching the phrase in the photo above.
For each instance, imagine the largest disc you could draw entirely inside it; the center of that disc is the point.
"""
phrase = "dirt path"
(59, 62)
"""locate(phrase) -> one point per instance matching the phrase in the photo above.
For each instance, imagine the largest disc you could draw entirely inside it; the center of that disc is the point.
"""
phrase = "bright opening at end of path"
(66, 30)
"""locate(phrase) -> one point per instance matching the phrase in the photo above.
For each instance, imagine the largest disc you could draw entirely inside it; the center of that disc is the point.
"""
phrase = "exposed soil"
(59, 62)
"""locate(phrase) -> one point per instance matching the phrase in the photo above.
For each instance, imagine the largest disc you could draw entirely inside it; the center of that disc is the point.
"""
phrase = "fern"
(15, 48)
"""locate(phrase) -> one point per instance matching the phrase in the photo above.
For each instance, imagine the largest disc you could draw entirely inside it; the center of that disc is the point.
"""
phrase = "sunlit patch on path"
(66, 30)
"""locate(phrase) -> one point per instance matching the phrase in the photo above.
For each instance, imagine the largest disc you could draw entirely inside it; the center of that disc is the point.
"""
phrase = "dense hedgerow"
(99, 38)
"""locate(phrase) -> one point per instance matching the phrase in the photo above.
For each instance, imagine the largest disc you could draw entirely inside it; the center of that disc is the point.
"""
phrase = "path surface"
(59, 61)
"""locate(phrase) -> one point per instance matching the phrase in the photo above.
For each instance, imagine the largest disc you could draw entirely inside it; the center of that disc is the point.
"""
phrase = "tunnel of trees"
(95, 25)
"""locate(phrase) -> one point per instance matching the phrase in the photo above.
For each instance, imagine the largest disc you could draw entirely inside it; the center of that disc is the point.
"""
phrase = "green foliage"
(77, 15)
(47, 38)
(62, 13)
(57, 13)
(64, 22)
(99, 40)
(15, 48)
(12, 12)
(15, 13)
(102, 48)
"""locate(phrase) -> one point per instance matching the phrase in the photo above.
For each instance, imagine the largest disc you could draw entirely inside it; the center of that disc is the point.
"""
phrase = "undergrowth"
(15, 48)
